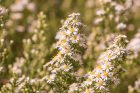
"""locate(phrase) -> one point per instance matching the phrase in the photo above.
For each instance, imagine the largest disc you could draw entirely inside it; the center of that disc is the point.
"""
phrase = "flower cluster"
(70, 45)
(5, 47)
(35, 50)
(3, 13)
(3, 54)
(20, 5)
(112, 18)
(44, 60)
(107, 69)
(115, 11)
(17, 12)
(23, 84)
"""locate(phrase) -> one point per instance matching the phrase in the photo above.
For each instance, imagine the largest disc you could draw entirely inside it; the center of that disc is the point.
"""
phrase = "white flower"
(97, 75)
(119, 8)
(98, 20)
(73, 87)
(50, 78)
(135, 88)
(107, 66)
(75, 39)
(3, 10)
(77, 57)
(137, 84)
(107, 1)
(121, 26)
(89, 90)
(106, 75)
(16, 16)
(100, 85)
(18, 65)
(31, 6)
(89, 81)
(91, 74)
(100, 12)
(71, 31)
(66, 67)
(19, 5)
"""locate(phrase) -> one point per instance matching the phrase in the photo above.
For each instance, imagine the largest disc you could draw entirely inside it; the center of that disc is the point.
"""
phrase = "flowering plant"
(96, 50)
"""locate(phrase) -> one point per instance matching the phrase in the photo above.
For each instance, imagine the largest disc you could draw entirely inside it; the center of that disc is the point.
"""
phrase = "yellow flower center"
(98, 75)
(100, 83)
(88, 91)
(63, 42)
(66, 67)
(75, 21)
(74, 37)
(71, 29)
(105, 74)
(107, 65)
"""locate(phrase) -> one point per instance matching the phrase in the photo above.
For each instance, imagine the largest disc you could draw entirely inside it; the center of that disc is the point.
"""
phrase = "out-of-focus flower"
(100, 12)
(135, 88)
(134, 44)
(22, 84)
(121, 26)
(2, 10)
